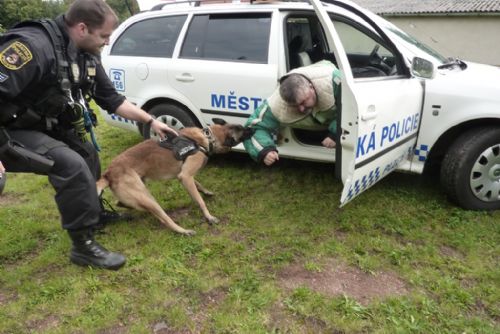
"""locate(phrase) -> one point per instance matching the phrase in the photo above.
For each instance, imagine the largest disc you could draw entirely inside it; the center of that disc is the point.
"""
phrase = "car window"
(233, 37)
(154, 37)
(367, 54)
(305, 41)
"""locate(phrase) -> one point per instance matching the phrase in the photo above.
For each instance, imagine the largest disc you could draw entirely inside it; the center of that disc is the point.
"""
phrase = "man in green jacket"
(305, 99)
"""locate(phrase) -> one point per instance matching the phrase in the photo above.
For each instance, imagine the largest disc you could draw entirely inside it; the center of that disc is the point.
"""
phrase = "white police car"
(404, 106)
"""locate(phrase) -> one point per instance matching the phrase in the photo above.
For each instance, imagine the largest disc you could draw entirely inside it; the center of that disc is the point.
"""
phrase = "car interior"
(306, 44)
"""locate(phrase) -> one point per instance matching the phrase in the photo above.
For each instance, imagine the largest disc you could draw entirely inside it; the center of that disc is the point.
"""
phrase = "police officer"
(48, 72)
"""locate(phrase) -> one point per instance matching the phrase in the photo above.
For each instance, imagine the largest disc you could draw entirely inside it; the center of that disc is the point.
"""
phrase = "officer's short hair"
(291, 85)
(91, 12)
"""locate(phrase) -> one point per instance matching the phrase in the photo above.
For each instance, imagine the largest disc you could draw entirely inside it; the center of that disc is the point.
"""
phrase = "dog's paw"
(208, 193)
(212, 220)
(189, 232)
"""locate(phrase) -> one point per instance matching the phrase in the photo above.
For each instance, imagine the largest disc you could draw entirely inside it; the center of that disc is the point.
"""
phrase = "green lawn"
(284, 259)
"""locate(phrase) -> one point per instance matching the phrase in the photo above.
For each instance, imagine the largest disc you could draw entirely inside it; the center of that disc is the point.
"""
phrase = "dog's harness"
(182, 146)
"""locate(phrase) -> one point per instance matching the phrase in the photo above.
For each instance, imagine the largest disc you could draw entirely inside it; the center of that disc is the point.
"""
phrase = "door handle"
(184, 77)
(371, 113)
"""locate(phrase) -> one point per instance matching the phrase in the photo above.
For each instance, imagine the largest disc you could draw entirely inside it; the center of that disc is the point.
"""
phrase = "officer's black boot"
(88, 252)
(110, 215)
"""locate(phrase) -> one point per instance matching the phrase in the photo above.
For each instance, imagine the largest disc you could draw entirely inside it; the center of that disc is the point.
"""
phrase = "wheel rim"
(170, 121)
(485, 175)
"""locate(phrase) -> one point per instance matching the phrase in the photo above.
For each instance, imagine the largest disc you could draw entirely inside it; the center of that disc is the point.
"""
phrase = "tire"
(170, 114)
(470, 172)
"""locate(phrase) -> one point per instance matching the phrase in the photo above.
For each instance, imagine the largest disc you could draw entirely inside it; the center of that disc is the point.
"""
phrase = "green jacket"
(275, 113)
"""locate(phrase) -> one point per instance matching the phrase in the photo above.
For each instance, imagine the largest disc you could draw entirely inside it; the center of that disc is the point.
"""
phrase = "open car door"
(380, 114)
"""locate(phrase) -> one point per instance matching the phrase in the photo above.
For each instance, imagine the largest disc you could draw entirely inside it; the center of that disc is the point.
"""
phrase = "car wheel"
(170, 114)
(470, 171)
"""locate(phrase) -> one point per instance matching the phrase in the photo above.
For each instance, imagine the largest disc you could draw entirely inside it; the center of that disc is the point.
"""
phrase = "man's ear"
(81, 28)
(218, 121)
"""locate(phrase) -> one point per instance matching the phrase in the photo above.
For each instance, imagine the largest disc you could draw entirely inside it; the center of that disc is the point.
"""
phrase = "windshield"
(413, 45)
(417, 44)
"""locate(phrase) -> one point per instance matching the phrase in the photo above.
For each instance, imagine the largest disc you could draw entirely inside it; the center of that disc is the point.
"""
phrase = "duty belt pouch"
(182, 147)
(16, 152)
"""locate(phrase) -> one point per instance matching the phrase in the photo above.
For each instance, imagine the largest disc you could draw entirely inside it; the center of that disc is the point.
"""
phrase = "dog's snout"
(237, 134)
(247, 134)
(230, 142)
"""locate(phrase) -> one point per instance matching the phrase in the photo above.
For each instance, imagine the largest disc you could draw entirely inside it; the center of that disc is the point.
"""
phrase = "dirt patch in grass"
(163, 328)
(10, 199)
(6, 297)
(451, 252)
(213, 297)
(42, 325)
(336, 278)
(118, 329)
(178, 213)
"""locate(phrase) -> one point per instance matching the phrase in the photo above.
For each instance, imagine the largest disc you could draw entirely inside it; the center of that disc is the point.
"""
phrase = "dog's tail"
(102, 184)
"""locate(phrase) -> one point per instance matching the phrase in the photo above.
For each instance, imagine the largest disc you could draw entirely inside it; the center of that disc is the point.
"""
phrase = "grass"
(230, 278)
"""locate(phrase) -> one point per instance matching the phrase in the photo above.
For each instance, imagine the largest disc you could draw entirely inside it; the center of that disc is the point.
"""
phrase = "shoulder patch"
(3, 77)
(15, 56)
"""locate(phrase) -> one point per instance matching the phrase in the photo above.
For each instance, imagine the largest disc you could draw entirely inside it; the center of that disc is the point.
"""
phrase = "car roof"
(218, 6)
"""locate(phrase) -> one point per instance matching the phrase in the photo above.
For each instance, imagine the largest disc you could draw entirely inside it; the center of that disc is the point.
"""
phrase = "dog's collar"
(211, 141)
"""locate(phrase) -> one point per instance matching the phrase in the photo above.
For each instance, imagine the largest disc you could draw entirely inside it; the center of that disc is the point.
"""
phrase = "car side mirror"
(423, 68)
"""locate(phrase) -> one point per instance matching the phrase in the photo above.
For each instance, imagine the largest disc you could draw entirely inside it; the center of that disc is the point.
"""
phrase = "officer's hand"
(271, 158)
(162, 129)
(328, 143)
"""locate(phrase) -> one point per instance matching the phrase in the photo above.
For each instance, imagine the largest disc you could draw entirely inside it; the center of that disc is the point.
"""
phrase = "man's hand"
(162, 129)
(271, 158)
(328, 143)
(131, 111)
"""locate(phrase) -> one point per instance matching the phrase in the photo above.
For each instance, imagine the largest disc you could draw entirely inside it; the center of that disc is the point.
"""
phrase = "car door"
(236, 47)
(381, 103)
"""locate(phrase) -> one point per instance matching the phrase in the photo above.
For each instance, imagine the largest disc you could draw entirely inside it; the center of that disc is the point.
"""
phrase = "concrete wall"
(473, 38)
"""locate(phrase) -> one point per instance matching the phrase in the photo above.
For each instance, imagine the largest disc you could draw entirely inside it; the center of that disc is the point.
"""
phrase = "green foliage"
(232, 277)
(124, 8)
(14, 11)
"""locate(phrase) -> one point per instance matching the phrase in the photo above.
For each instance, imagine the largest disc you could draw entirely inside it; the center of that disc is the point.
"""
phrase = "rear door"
(236, 46)
(381, 102)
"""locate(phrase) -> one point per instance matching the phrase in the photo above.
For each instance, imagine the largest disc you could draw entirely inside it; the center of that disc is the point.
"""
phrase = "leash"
(89, 122)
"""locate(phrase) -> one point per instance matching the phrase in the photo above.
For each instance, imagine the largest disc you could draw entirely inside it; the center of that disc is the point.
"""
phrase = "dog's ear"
(218, 121)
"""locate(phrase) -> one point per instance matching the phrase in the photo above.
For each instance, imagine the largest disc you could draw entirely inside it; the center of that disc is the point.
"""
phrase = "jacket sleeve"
(266, 128)
(336, 78)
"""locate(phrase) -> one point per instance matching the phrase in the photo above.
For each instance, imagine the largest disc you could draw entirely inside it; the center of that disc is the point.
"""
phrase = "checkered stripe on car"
(366, 182)
(421, 152)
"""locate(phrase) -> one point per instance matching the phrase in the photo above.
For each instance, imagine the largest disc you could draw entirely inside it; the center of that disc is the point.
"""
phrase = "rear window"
(150, 38)
(241, 38)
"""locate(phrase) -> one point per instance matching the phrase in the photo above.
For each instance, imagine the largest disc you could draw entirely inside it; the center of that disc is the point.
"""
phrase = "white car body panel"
(418, 111)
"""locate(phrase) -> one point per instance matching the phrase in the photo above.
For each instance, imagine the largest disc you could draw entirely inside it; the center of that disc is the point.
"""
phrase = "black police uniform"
(28, 79)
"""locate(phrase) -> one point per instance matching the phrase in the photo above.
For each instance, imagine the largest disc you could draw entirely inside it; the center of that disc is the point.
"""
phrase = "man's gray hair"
(291, 85)
(91, 12)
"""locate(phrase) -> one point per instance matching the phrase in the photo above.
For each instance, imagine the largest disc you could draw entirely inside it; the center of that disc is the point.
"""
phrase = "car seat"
(298, 56)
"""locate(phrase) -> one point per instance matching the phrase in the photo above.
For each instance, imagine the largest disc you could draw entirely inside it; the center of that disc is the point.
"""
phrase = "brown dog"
(149, 160)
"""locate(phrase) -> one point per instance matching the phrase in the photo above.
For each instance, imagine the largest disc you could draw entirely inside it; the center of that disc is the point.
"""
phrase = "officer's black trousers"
(73, 176)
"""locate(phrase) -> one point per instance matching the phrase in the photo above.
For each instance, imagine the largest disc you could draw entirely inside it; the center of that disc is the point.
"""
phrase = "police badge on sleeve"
(15, 56)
